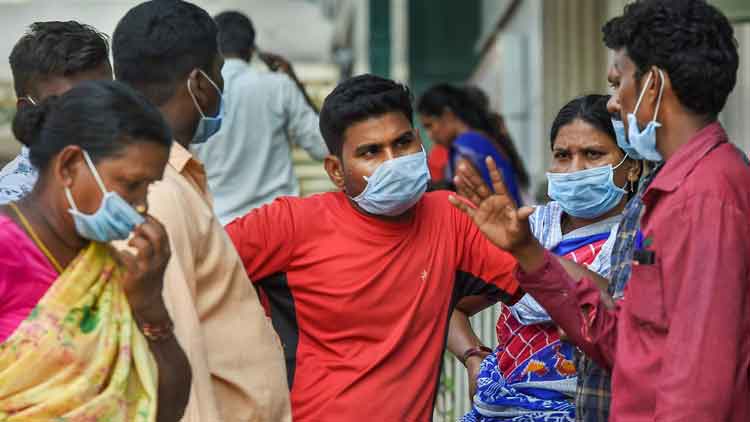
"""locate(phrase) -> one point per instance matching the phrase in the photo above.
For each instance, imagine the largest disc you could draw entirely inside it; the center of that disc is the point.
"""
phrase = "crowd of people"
(157, 264)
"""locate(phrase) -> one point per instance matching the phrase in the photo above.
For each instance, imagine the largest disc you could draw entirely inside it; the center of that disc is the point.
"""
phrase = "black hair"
(591, 109)
(689, 39)
(55, 49)
(102, 117)
(159, 42)
(236, 33)
(357, 99)
(472, 106)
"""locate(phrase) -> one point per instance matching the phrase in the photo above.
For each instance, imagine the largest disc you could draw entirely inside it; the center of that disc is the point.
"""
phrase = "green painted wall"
(380, 37)
(443, 38)
(736, 10)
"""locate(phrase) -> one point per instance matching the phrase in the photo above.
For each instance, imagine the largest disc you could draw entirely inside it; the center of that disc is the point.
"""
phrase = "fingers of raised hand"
(462, 205)
(525, 212)
(472, 180)
(466, 191)
(497, 179)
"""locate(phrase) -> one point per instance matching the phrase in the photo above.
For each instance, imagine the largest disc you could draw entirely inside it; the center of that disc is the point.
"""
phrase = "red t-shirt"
(361, 304)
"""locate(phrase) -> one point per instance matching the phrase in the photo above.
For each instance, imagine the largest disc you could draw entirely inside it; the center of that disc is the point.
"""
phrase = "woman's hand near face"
(144, 279)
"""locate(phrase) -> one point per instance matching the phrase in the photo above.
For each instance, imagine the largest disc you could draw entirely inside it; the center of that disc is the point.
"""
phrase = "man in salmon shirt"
(677, 339)
(361, 282)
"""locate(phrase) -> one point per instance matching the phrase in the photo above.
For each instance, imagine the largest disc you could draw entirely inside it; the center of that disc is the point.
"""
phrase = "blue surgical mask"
(587, 193)
(644, 142)
(207, 126)
(395, 186)
(114, 220)
(622, 140)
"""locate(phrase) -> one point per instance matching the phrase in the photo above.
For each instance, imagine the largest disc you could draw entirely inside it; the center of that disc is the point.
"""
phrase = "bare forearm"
(461, 336)
(175, 375)
(175, 378)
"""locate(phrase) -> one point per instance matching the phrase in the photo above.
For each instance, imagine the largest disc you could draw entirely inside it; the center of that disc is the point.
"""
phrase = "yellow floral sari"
(79, 356)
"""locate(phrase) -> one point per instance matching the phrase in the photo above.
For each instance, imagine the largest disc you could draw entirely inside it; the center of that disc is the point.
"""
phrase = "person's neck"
(462, 128)
(677, 129)
(570, 223)
(244, 58)
(182, 134)
(50, 225)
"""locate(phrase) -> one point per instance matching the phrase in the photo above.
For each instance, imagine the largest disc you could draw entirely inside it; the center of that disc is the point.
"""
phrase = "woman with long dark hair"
(459, 119)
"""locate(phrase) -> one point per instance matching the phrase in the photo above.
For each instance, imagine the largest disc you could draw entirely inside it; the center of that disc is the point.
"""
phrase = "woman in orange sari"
(84, 332)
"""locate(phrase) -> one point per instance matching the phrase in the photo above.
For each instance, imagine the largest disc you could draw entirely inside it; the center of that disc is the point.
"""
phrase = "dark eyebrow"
(366, 147)
(406, 136)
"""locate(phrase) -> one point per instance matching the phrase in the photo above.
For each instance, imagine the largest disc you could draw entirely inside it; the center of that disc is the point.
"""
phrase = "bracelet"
(475, 351)
(157, 332)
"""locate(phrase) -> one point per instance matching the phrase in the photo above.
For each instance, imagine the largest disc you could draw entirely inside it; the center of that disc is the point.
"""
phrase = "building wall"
(735, 115)
(549, 53)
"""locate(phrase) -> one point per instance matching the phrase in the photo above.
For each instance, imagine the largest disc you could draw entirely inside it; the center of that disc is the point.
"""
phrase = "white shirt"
(17, 178)
(249, 161)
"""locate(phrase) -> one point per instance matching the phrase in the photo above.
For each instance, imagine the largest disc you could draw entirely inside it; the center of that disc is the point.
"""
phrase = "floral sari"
(79, 356)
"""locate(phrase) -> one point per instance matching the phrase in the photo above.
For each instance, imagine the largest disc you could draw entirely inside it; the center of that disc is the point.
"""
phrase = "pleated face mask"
(587, 193)
(114, 220)
(395, 186)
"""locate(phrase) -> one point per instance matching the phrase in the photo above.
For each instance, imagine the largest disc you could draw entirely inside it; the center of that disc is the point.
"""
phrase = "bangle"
(475, 351)
(157, 332)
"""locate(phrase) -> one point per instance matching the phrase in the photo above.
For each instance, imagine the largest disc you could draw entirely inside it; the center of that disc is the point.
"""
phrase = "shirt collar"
(679, 166)
(185, 163)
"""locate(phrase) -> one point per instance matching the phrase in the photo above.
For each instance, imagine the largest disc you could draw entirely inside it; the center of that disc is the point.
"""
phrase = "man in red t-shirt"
(360, 283)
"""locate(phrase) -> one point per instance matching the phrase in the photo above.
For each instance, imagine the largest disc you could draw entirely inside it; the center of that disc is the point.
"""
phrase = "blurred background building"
(530, 56)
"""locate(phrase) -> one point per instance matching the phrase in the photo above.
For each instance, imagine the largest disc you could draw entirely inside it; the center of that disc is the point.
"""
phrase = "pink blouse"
(25, 276)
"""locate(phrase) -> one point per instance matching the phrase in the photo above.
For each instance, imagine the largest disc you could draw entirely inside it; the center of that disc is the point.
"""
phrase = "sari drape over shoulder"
(79, 355)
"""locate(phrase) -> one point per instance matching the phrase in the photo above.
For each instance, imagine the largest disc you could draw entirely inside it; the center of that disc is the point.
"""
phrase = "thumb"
(525, 212)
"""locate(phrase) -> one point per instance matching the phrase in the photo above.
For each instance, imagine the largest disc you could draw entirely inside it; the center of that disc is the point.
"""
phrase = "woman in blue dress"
(459, 119)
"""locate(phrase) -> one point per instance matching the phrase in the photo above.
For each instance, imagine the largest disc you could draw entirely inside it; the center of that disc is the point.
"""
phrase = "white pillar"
(399, 40)
(362, 36)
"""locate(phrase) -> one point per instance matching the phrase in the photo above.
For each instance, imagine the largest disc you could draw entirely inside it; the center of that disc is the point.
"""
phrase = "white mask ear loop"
(643, 92)
(94, 172)
(623, 160)
(71, 202)
(615, 168)
(195, 100)
(29, 99)
(658, 99)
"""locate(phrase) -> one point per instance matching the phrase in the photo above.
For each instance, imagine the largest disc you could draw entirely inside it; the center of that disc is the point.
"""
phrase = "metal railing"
(453, 399)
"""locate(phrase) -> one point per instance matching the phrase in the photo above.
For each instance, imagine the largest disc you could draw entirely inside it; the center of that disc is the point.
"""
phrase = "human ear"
(335, 169)
(67, 165)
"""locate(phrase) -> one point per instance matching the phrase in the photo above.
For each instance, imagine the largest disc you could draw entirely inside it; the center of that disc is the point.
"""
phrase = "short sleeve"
(264, 238)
